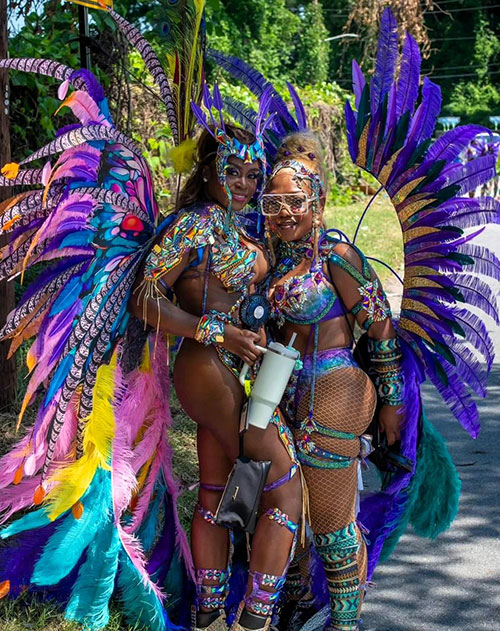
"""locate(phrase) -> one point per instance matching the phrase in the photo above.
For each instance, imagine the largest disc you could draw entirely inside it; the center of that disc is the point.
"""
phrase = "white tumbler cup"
(270, 383)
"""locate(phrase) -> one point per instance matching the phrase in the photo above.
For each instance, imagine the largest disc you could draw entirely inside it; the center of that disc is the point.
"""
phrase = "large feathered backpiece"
(390, 136)
(446, 289)
(95, 465)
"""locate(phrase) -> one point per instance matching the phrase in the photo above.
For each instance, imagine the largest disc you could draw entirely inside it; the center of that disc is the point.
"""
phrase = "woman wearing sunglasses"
(320, 288)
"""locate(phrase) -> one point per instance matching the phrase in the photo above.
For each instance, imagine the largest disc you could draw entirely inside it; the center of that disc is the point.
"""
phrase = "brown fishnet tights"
(344, 400)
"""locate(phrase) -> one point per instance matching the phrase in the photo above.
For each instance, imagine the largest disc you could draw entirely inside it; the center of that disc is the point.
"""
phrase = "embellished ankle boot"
(218, 624)
(212, 586)
(255, 622)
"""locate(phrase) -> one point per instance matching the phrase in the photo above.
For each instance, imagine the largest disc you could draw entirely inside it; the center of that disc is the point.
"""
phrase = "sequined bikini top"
(194, 229)
(310, 298)
(307, 299)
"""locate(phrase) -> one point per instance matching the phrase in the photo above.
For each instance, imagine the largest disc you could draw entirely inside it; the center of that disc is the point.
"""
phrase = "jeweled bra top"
(307, 298)
(195, 228)
(311, 298)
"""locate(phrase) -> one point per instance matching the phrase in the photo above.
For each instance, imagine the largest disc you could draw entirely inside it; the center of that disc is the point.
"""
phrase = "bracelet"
(210, 330)
(390, 387)
(385, 359)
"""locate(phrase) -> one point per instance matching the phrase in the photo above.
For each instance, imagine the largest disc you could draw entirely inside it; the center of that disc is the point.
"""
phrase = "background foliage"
(284, 39)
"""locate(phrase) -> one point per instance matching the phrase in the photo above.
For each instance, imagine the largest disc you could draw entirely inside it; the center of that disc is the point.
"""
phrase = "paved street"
(452, 583)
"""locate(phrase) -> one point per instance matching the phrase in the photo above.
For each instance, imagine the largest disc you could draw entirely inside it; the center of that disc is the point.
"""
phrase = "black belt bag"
(239, 504)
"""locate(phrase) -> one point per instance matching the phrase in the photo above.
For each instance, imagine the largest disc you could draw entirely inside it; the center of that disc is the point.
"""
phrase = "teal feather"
(175, 583)
(141, 605)
(438, 492)
(80, 238)
(148, 531)
(89, 602)
(67, 544)
(30, 521)
(434, 492)
(59, 376)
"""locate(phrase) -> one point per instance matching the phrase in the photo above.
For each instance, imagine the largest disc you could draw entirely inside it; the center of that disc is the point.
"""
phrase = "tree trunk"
(8, 372)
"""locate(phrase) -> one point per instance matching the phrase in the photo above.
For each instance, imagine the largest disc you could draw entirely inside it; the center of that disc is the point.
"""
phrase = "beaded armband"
(210, 330)
(385, 359)
(373, 302)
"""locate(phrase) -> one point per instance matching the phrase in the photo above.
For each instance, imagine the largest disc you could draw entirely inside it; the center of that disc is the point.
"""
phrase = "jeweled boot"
(219, 624)
(237, 626)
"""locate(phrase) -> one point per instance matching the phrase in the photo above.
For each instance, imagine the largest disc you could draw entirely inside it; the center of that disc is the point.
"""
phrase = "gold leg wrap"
(219, 624)
(236, 626)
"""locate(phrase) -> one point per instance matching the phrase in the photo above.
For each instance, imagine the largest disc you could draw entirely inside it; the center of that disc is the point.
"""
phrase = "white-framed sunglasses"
(271, 204)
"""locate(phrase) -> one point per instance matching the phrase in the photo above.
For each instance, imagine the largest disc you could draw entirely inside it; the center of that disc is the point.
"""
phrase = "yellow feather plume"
(10, 170)
(71, 481)
(146, 359)
(183, 156)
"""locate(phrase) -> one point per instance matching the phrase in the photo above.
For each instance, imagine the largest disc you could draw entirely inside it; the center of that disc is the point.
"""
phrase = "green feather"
(363, 110)
(438, 489)
(434, 491)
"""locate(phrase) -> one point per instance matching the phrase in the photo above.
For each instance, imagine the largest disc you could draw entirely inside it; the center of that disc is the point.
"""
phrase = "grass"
(379, 237)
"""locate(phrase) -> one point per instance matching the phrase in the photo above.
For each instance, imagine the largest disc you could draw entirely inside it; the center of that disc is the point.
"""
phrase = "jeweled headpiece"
(301, 152)
(301, 173)
(228, 146)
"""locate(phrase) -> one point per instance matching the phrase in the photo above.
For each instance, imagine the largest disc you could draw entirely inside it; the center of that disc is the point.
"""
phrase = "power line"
(450, 39)
(492, 6)
(450, 76)
(467, 67)
(444, 76)
(333, 11)
(431, 72)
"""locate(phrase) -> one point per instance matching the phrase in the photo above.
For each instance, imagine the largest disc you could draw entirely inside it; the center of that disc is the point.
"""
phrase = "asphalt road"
(453, 582)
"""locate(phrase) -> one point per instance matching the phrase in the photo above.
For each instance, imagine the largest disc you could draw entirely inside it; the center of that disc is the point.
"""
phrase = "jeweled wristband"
(210, 330)
(385, 359)
(390, 387)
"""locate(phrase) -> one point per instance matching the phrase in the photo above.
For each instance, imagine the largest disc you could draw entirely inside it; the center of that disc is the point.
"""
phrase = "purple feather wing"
(358, 82)
(385, 65)
(409, 77)
(446, 276)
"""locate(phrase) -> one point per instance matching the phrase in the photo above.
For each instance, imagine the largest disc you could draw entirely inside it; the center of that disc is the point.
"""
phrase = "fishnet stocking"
(345, 400)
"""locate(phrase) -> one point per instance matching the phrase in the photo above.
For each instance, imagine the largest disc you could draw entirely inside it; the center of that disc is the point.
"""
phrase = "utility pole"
(83, 29)
(8, 371)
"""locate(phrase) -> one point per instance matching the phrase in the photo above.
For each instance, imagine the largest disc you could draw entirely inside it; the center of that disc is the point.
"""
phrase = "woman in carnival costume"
(324, 285)
(210, 262)
(96, 463)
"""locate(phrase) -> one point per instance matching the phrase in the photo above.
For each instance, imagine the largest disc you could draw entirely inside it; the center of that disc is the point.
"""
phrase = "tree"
(479, 98)
(313, 49)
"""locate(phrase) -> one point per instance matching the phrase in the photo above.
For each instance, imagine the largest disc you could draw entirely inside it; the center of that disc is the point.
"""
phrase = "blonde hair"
(305, 147)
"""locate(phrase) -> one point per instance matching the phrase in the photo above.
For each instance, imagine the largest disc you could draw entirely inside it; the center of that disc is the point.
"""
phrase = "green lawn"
(380, 236)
